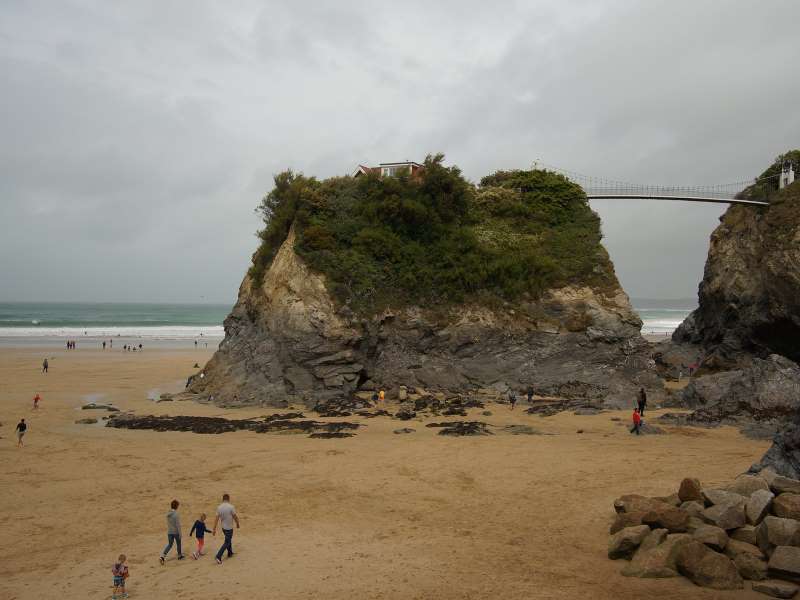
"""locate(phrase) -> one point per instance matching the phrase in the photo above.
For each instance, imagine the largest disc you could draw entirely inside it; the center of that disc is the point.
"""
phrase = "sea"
(110, 320)
(193, 321)
(662, 316)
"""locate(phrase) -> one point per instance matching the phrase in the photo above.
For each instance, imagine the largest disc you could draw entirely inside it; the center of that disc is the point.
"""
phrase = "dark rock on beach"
(459, 428)
(275, 423)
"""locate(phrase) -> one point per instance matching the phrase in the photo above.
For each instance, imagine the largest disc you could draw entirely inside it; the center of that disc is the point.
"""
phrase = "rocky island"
(425, 282)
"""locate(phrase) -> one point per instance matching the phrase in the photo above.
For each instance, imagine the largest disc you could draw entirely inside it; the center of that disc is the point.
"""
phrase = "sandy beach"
(374, 516)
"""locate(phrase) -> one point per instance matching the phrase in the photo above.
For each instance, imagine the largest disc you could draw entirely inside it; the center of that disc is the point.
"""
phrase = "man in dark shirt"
(22, 427)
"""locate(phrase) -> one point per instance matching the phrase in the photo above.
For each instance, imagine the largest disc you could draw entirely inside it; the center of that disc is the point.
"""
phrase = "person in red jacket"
(637, 421)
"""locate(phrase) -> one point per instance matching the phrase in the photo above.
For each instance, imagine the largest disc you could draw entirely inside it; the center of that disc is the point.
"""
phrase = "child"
(199, 529)
(120, 572)
(36, 399)
(637, 421)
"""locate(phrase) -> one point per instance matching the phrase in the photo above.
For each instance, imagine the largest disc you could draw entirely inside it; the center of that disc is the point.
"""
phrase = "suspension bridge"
(599, 188)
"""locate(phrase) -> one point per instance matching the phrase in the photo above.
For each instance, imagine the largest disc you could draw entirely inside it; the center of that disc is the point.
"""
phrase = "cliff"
(749, 299)
(503, 312)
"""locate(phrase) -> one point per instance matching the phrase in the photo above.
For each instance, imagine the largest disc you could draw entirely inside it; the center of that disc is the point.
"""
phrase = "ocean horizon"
(177, 321)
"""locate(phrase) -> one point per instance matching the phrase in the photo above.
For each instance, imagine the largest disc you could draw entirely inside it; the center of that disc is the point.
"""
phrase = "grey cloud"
(138, 138)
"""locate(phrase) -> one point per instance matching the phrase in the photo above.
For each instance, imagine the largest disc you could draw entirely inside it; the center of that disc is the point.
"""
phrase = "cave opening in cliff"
(779, 337)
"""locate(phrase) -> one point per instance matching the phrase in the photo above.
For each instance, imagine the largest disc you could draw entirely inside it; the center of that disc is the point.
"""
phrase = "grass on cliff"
(436, 239)
(766, 186)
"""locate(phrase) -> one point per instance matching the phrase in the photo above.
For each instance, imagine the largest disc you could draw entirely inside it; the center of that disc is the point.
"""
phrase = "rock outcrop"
(287, 341)
(749, 299)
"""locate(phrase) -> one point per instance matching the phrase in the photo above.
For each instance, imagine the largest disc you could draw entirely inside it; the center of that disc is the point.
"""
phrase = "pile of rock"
(717, 538)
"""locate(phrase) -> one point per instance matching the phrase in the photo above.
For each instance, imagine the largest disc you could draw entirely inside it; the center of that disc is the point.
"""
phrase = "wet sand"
(378, 515)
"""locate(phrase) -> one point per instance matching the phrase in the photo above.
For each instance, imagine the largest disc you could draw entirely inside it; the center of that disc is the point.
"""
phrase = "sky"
(137, 138)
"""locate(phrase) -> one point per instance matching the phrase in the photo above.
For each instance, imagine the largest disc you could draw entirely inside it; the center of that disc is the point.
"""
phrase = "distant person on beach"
(22, 427)
(642, 401)
(36, 399)
(199, 530)
(512, 398)
(173, 531)
(120, 573)
(195, 343)
(226, 516)
(45, 366)
(637, 421)
(381, 395)
(104, 344)
(110, 343)
(530, 394)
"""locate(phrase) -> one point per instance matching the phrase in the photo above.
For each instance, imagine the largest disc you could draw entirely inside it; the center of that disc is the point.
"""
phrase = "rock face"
(765, 389)
(287, 341)
(749, 299)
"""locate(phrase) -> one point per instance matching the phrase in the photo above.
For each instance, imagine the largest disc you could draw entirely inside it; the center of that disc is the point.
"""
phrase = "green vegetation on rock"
(766, 185)
(433, 238)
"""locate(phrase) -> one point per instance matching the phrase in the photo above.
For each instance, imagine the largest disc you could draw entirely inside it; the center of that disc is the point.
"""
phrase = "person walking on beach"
(512, 398)
(642, 401)
(173, 531)
(226, 516)
(381, 396)
(530, 394)
(120, 573)
(36, 399)
(104, 344)
(22, 427)
(637, 421)
(199, 529)
(45, 366)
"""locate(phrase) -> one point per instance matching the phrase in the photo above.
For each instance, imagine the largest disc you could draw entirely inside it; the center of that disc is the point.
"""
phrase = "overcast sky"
(137, 138)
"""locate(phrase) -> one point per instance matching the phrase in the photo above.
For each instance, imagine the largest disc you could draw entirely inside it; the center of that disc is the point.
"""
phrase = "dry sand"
(373, 516)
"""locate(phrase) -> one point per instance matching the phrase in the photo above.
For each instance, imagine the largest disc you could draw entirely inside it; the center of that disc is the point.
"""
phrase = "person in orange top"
(637, 421)
(382, 396)
(36, 399)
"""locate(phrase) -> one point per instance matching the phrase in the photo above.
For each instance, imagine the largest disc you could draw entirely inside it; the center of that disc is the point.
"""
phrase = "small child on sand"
(199, 529)
(637, 421)
(120, 573)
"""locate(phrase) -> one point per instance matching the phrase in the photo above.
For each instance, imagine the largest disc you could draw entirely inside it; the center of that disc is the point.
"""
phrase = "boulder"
(785, 563)
(693, 508)
(626, 519)
(713, 497)
(657, 561)
(735, 547)
(653, 539)
(704, 567)
(690, 490)
(776, 589)
(713, 537)
(776, 531)
(88, 421)
(783, 485)
(758, 506)
(787, 505)
(625, 542)
(746, 534)
(672, 499)
(751, 567)
(635, 503)
(404, 430)
(667, 517)
(726, 516)
(694, 524)
(746, 484)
